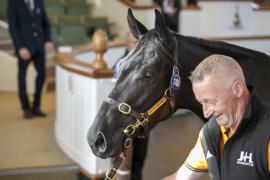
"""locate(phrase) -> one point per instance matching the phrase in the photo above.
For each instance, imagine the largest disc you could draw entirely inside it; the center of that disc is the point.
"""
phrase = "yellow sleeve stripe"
(195, 169)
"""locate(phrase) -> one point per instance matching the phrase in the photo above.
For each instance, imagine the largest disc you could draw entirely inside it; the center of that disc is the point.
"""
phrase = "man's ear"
(238, 88)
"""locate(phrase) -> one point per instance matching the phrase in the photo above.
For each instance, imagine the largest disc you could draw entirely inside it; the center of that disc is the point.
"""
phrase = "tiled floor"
(28, 143)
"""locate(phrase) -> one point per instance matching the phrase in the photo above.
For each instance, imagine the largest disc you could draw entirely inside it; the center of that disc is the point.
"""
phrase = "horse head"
(149, 81)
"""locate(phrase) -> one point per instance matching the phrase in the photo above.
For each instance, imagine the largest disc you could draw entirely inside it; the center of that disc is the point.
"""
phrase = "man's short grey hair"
(219, 65)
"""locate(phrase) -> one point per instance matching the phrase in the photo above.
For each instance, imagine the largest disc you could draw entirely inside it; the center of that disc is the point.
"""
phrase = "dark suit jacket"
(176, 4)
(26, 30)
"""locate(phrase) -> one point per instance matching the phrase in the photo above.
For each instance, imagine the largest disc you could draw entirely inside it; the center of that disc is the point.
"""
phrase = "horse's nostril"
(100, 142)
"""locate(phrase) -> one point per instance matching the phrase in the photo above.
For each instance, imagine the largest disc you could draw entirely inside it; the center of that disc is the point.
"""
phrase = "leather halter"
(142, 119)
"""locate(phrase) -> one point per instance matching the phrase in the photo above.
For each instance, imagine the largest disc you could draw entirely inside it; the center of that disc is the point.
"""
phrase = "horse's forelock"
(152, 39)
(167, 44)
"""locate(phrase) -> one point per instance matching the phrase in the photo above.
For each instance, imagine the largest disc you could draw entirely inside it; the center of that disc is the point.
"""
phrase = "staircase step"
(6, 46)
(4, 41)
(61, 172)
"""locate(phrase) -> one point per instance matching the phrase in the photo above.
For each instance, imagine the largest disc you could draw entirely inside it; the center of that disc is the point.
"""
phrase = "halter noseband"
(143, 119)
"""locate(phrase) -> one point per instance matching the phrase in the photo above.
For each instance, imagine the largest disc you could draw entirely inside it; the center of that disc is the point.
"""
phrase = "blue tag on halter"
(175, 79)
(175, 82)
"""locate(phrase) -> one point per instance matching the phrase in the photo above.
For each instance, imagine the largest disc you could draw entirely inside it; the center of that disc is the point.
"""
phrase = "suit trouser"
(39, 63)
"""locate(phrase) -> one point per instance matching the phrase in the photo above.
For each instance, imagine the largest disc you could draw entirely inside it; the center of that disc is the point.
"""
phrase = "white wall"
(117, 13)
(216, 19)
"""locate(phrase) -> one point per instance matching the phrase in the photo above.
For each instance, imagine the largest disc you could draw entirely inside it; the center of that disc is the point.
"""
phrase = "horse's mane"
(224, 48)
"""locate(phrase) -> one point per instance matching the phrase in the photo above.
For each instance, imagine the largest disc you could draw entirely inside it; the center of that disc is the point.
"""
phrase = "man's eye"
(212, 102)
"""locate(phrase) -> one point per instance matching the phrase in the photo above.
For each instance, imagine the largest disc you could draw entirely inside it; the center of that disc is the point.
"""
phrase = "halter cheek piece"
(143, 119)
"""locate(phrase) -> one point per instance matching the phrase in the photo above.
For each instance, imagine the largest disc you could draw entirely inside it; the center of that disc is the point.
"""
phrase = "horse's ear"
(136, 28)
(160, 23)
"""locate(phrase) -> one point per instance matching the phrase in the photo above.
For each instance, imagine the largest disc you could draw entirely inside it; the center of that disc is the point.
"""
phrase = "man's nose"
(207, 112)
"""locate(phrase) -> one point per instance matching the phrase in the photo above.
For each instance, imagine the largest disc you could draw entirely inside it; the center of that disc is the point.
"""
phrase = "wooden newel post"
(99, 43)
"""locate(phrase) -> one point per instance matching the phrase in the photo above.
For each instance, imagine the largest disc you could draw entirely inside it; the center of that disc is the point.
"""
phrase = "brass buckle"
(122, 110)
(129, 130)
(128, 143)
(144, 120)
(111, 174)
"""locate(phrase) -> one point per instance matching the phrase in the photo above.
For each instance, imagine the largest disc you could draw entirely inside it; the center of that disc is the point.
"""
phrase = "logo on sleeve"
(245, 159)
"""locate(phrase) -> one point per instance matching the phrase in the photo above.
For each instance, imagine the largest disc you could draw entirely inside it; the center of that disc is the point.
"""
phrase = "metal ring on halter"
(128, 143)
(111, 174)
(167, 93)
(175, 70)
(124, 108)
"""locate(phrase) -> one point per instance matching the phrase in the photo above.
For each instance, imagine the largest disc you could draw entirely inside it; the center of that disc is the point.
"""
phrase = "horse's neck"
(192, 51)
(200, 48)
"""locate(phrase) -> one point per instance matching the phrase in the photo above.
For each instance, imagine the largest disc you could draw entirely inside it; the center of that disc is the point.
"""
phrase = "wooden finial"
(99, 43)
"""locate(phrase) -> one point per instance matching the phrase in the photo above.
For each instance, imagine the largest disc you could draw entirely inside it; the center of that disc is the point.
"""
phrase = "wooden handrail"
(242, 37)
(121, 43)
(88, 47)
(262, 7)
(134, 5)
(70, 63)
(228, 0)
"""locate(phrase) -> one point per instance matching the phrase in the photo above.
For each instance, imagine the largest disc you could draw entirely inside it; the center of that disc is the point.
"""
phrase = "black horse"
(143, 96)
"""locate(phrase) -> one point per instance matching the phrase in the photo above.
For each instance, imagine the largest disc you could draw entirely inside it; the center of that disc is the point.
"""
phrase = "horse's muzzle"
(97, 143)
(100, 142)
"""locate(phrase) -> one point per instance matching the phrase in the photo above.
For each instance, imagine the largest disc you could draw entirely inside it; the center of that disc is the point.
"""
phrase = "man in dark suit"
(30, 31)
(170, 10)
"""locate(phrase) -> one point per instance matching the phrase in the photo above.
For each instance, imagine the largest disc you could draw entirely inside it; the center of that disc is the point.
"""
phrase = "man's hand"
(48, 47)
(24, 54)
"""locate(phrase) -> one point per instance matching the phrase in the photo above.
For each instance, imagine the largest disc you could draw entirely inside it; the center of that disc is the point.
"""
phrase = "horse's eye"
(145, 76)
(148, 75)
